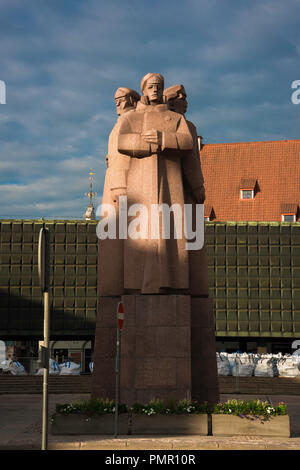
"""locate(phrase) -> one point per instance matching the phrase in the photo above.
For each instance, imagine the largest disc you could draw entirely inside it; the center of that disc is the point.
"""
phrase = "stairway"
(60, 384)
(31, 384)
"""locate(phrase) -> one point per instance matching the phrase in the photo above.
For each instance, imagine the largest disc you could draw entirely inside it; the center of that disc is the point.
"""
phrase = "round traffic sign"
(120, 315)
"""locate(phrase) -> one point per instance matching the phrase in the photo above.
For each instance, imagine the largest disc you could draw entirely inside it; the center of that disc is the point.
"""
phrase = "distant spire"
(90, 211)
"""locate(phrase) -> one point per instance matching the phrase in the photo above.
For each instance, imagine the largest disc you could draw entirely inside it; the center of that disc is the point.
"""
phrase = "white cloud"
(62, 66)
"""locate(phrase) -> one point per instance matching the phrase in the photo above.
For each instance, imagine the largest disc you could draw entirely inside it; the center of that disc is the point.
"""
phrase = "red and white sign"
(120, 315)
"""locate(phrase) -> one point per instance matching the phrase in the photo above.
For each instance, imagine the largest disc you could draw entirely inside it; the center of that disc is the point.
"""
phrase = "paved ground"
(21, 424)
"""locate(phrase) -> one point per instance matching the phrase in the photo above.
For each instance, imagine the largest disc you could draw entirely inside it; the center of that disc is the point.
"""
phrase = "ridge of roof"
(253, 142)
(211, 222)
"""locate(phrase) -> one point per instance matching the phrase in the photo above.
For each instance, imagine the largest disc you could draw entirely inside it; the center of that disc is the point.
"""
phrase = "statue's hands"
(152, 137)
(199, 195)
(116, 193)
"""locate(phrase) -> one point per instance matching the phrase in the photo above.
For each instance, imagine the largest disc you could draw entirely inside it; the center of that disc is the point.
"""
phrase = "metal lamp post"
(43, 270)
(120, 323)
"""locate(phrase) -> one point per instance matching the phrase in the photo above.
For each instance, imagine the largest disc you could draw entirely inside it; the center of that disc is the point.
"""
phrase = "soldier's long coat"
(155, 177)
(151, 176)
(111, 251)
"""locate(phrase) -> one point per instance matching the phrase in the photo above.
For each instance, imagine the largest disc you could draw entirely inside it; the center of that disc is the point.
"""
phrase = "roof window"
(247, 188)
(288, 217)
(289, 212)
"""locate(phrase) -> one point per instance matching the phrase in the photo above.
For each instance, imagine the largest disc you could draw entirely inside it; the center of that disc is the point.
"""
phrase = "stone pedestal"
(103, 378)
(167, 349)
(205, 385)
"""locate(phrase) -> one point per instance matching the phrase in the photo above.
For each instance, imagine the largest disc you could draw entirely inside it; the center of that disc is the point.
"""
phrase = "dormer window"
(289, 212)
(247, 188)
(247, 194)
(288, 217)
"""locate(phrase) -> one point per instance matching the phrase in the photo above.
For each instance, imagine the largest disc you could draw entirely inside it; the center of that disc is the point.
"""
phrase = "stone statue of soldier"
(194, 191)
(111, 252)
(156, 140)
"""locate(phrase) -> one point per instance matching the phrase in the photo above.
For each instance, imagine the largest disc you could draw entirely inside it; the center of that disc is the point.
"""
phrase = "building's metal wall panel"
(254, 278)
(73, 278)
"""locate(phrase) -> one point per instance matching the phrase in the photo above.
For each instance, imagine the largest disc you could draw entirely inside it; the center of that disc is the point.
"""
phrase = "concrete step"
(260, 385)
(10, 384)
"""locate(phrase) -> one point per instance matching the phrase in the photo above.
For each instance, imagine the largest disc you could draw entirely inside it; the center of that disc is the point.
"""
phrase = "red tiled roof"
(288, 208)
(274, 165)
(248, 183)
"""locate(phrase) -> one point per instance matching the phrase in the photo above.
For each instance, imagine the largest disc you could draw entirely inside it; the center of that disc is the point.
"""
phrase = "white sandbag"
(232, 358)
(69, 368)
(265, 367)
(243, 366)
(54, 368)
(13, 367)
(296, 358)
(19, 368)
(287, 367)
(5, 365)
(2, 351)
(223, 365)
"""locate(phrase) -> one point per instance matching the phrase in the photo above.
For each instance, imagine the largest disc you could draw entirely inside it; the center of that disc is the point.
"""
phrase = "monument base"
(167, 349)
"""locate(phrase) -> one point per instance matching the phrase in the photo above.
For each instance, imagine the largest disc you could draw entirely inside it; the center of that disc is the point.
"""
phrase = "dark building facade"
(254, 280)
(73, 280)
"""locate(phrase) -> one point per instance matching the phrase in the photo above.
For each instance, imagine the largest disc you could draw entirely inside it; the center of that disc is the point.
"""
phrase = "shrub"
(95, 406)
(253, 409)
(167, 407)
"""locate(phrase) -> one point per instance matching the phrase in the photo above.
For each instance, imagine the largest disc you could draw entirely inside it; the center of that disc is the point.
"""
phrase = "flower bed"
(253, 409)
(251, 418)
(170, 407)
(235, 417)
(89, 417)
(169, 417)
(91, 407)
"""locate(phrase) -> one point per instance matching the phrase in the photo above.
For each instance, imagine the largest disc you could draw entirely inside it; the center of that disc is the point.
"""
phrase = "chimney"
(200, 142)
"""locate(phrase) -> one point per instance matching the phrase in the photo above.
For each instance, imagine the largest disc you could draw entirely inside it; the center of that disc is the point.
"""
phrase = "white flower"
(190, 409)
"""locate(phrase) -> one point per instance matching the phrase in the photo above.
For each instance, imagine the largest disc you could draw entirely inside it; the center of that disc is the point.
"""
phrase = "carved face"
(154, 90)
(181, 103)
(122, 102)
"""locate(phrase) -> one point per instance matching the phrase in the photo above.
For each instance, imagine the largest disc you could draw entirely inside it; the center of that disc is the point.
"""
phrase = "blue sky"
(63, 60)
